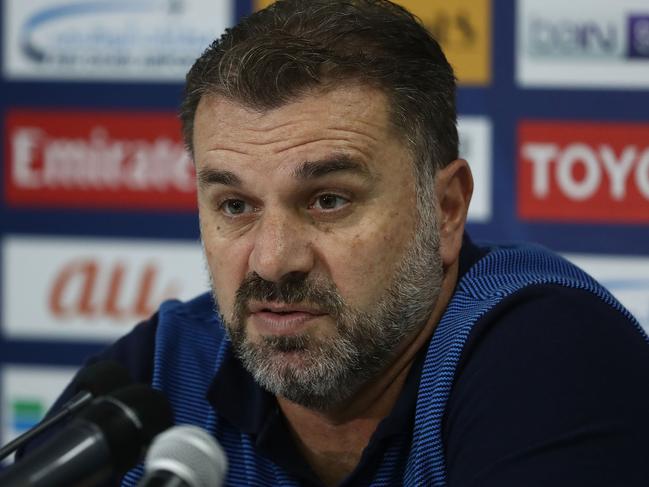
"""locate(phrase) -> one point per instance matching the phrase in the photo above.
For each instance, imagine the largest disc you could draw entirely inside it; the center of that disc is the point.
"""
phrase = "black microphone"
(92, 381)
(107, 438)
(184, 456)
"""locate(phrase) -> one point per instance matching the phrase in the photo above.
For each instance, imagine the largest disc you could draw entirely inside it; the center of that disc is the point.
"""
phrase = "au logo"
(462, 27)
(85, 288)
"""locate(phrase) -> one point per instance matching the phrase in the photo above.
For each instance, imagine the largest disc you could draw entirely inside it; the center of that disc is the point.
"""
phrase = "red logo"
(85, 288)
(591, 172)
(100, 160)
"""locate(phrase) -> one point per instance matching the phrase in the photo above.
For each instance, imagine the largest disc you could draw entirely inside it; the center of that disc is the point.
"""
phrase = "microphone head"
(102, 378)
(190, 453)
(129, 419)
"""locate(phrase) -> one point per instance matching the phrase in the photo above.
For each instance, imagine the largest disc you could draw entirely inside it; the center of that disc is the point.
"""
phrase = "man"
(360, 337)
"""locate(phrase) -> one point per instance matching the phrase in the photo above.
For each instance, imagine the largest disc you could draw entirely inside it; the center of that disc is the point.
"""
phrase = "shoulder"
(564, 316)
(136, 349)
(550, 379)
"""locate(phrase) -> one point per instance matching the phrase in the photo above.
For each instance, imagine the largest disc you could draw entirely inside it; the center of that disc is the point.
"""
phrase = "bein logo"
(589, 39)
(573, 38)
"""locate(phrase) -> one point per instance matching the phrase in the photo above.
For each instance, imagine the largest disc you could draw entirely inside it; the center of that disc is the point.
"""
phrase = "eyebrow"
(209, 176)
(306, 171)
(340, 163)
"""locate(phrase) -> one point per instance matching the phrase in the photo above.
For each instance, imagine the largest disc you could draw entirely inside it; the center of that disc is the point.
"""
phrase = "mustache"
(291, 289)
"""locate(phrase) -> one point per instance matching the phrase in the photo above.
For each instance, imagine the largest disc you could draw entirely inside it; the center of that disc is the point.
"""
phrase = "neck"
(333, 441)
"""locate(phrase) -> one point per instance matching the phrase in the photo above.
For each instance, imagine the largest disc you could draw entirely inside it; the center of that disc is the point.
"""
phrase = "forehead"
(352, 117)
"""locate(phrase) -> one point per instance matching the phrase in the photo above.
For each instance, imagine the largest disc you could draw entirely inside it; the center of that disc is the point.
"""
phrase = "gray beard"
(324, 373)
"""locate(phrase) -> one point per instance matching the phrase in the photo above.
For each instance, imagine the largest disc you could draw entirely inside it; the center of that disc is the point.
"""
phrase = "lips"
(280, 308)
(282, 319)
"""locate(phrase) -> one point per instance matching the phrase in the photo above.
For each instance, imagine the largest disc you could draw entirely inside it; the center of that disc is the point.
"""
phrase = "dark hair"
(273, 56)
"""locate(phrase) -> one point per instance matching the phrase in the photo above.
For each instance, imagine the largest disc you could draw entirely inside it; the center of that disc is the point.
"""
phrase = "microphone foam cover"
(102, 378)
(128, 420)
(189, 452)
(151, 407)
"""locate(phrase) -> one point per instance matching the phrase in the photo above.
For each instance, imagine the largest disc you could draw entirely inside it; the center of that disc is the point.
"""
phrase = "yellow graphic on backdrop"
(259, 4)
(462, 27)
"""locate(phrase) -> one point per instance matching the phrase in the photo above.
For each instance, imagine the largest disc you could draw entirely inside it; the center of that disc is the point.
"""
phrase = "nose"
(281, 247)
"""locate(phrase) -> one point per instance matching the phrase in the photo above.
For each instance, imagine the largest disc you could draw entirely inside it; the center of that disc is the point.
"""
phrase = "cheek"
(227, 263)
(363, 266)
(225, 258)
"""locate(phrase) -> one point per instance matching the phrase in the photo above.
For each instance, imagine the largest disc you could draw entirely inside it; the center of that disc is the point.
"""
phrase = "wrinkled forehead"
(358, 112)
(338, 102)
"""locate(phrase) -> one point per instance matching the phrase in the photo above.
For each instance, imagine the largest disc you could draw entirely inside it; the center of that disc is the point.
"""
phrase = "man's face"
(319, 263)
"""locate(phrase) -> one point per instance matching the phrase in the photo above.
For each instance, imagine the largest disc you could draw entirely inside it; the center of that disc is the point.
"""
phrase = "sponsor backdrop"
(97, 219)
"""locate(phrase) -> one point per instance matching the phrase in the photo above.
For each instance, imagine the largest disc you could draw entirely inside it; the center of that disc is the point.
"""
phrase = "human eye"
(329, 202)
(235, 207)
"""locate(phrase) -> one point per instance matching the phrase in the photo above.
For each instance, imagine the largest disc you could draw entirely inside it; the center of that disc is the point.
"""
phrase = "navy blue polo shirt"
(551, 389)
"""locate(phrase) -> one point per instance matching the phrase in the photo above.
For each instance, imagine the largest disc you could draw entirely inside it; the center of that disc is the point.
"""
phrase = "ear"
(453, 187)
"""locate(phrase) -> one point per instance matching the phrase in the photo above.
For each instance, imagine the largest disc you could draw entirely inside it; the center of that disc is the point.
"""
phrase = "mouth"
(282, 319)
(280, 307)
